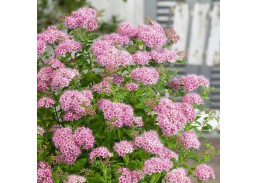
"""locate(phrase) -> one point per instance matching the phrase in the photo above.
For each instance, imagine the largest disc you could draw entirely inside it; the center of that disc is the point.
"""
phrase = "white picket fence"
(201, 36)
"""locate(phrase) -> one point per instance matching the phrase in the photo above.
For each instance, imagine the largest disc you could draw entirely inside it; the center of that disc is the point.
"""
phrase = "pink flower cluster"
(177, 176)
(114, 58)
(162, 55)
(44, 174)
(50, 35)
(166, 153)
(157, 165)
(45, 102)
(54, 63)
(141, 58)
(128, 176)
(101, 47)
(103, 86)
(64, 141)
(62, 77)
(193, 98)
(48, 78)
(102, 152)
(67, 46)
(150, 142)
(189, 140)
(189, 82)
(131, 86)
(186, 109)
(152, 35)
(204, 172)
(83, 17)
(124, 147)
(69, 144)
(127, 29)
(117, 79)
(44, 78)
(41, 46)
(145, 75)
(119, 114)
(170, 119)
(71, 102)
(116, 39)
(172, 35)
(76, 179)
(84, 137)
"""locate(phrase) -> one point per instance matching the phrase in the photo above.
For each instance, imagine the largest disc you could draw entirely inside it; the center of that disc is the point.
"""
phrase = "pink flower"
(203, 81)
(44, 174)
(62, 77)
(83, 17)
(64, 141)
(102, 152)
(122, 148)
(67, 46)
(157, 165)
(100, 47)
(128, 176)
(187, 109)
(84, 137)
(45, 102)
(166, 153)
(117, 79)
(189, 140)
(162, 55)
(127, 29)
(145, 75)
(152, 36)
(150, 142)
(54, 63)
(172, 35)
(189, 82)
(193, 98)
(41, 46)
(116, 39)
(103, 87)
(119, 114)
(131, 86)
(174, 83)
(170, 118)
(141, 58)
(76, 179)
(114, 58)
(177, 176)
(44, 78)
(52, 35)
(71, 101)
(204, 172)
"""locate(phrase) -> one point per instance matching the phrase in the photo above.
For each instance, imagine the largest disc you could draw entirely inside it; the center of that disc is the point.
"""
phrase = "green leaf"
(181, 61)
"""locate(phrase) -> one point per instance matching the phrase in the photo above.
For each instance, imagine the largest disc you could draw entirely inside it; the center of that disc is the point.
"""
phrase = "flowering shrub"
(112, 108)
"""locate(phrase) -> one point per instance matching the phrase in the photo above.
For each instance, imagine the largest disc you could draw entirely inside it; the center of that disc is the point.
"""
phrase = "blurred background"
(196, 21)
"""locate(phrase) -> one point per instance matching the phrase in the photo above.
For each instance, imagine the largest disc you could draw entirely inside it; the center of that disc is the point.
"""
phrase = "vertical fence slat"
(181, 18)
(213, 48)
(198, 33)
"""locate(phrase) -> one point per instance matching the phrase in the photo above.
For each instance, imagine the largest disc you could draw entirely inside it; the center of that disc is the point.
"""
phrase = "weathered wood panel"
(198, 33)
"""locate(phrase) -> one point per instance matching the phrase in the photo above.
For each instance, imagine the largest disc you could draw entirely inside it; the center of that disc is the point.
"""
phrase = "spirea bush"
(112, 108)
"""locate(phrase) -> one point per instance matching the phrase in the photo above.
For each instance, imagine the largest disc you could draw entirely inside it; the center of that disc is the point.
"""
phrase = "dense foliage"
(113, 108)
